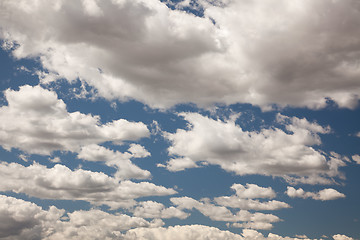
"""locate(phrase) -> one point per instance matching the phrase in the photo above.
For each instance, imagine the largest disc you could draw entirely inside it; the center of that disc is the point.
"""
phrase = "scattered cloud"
(60, 182)
(36, 121)
(323, 195)
(125, 168)
(272, 152)
(356, 158)
(151, 209)
(221, 213)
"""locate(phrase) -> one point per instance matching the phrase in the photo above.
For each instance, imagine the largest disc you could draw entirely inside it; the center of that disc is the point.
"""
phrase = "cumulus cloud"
(282, 52)
(25, 220)
(221, 213)
(151, 209)
(60, 182)
(323, 195)
(356, 158)
(125, 168)
(36, 121)
(342, 237)
(187, 232)
(245, 199)
(272, 152)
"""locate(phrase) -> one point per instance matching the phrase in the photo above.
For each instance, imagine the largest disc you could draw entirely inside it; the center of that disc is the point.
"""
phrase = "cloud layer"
(298, 53)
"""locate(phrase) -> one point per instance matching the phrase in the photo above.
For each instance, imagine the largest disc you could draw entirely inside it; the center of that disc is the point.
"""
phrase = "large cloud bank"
(298, 53)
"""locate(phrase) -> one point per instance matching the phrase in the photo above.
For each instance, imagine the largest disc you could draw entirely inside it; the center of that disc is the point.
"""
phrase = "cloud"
(287, 53)
(25, 220)
(96, 224)
(151, 209)
(244, 199)
(221, 213)
(187, 232)
(125, 168)
(271, 152)
(342, 237)
(36, 121)
(323, 195)
(253, 191)
(60, 182)
(356, 158)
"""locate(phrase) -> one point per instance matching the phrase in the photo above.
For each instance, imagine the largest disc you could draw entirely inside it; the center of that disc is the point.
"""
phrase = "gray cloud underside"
(297, 53)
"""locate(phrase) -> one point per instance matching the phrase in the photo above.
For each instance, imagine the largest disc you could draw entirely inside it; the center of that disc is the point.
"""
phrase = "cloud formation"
(25, 220)
(221, 213)
(151, 209)
(61, 182)
(125, 168)
(271, 152)
(36, 121)
(287, 53)
(245, 199)
(323, 195)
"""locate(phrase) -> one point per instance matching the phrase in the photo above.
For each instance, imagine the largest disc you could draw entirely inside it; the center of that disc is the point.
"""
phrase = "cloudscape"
(180, 119)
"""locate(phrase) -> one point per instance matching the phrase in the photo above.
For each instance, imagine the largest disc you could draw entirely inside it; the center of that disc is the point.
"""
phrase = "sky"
(179, 119)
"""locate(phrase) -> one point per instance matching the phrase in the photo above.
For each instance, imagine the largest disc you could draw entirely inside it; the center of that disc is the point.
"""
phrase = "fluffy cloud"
(274, 152)
(253, 191)
(356, 158)
(60, 182)
(36, 121)
(243, 199)
(151, 209)
(25, 220)
(125, 168)
(221, 213)
(342, 237)
(96, 224)
(262, 52)
(188, 232)
(323, 195)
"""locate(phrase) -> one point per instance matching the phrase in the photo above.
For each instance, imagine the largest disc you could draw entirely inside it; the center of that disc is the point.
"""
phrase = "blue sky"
(191, 119)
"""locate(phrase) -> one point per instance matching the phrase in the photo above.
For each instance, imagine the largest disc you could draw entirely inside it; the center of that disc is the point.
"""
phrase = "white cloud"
(221, 213)
(36, 121)
(151, 209)
(178, 164)
(25, 220)
(96, 224)
(188, 232)
(289, 53)
(342, 237)
(60, 182)
(253, 225)
(288, 154)
(253, 191)
(323, 195)
(125, 168)
(356, 158)
(244, 199)
(247, 204)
